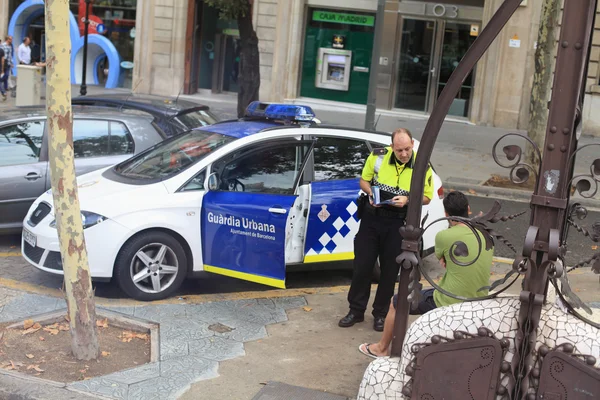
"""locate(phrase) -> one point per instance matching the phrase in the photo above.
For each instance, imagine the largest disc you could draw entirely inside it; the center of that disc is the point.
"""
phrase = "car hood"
(109, 198)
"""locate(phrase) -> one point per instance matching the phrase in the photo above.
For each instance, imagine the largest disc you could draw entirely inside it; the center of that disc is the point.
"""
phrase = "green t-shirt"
(462, 281)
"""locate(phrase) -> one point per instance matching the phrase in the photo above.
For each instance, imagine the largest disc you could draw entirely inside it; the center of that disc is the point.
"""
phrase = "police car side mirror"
(213, 182)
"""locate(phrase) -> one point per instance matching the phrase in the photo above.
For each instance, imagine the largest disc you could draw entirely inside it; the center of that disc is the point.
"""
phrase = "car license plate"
(29, 237)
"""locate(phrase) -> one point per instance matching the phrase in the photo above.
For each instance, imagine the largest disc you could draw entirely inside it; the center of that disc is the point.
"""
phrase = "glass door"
(456, 39)
(430, 51)
(415, 64)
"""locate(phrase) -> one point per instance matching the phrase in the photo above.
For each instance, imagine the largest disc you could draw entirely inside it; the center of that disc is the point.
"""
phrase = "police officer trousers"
(378, 236)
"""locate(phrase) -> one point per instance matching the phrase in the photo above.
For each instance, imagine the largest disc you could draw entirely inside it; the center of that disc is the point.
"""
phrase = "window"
(197, 182)
(337, 158)
(97, 138)
(90, 138)
(195, 119)
(120, 139)
(21, 143)
(272, 170)
(173, 155)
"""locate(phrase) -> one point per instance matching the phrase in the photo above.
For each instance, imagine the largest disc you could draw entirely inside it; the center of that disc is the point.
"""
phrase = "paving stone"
(216, 348)
(122, 310)
(7, 295)
(173, 348)
(184, 329)
(242, 331)
(158, 313)
(135, 375)
(166, 388)
(594, 304)
(188, 364)
(28, 305)
(102, 386)
(247, 310)
(290, 302)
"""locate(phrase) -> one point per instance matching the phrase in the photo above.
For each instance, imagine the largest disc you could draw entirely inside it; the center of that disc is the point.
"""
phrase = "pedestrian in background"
(3, 74)
(24, 52)
(391, 170)
(8, 61)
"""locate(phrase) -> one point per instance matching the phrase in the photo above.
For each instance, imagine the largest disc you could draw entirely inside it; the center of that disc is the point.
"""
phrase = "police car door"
(332, 221)
(244, 223)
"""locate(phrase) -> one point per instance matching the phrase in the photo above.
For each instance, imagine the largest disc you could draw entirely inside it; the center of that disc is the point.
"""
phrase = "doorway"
(213, 51)
(429, 51)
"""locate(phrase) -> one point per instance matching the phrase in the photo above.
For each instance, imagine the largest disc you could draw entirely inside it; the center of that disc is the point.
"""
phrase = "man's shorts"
(425, 305)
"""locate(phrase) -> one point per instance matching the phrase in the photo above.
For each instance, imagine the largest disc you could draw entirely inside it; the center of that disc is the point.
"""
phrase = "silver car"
(101, 137)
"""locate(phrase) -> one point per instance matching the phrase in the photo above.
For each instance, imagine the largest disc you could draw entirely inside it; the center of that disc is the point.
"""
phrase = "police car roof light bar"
(286, 112)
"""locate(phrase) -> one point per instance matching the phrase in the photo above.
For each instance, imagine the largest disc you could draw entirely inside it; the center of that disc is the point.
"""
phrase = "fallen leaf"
(42, 338)
(28, 323)
(307, 309)
(105, 354)
(30, 356)
(36, 327)
(63, 327)
(67, 318)
(472, 191)
(128, 335)
(102, 323)
(52, 331)
(594, 247)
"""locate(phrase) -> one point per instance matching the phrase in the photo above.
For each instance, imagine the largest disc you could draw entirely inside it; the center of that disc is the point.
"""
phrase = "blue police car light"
(287, 112)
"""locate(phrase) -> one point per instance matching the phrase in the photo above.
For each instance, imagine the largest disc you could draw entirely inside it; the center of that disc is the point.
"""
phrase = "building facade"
(319, 51)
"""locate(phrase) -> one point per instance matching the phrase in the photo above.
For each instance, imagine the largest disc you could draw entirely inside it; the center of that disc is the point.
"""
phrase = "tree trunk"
(78, 284)
(542, 78)
(249, 77)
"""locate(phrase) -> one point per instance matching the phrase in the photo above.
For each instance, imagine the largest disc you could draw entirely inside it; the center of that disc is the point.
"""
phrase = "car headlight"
(88, 219)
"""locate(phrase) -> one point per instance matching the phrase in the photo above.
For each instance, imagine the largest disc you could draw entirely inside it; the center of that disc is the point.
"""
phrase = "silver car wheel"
(154, 268)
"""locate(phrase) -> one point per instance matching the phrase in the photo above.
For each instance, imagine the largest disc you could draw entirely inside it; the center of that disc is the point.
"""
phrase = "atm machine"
(333, 69)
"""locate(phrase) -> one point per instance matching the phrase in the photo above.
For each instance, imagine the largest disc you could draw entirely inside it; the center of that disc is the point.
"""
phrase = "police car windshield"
(172, 156)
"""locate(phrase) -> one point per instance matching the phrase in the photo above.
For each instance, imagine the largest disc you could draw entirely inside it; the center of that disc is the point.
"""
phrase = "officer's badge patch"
(323, 214)
(380, 151)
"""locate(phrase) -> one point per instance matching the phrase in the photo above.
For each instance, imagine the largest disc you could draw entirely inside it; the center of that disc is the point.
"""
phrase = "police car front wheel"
(151, 266)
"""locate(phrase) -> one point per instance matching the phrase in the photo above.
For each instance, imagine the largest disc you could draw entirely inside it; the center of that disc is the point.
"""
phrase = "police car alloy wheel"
(151, 266)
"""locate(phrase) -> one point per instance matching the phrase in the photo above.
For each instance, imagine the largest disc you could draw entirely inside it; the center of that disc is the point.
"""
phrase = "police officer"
(391, 169)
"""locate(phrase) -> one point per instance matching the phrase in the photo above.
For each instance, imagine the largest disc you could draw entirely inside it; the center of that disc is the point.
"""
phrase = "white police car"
(244, 198)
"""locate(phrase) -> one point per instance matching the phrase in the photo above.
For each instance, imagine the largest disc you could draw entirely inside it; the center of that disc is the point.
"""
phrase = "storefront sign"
(339, 41)
(343, 18)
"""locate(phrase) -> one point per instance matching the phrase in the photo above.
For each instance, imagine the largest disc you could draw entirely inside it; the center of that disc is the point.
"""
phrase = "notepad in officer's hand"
(377, 197)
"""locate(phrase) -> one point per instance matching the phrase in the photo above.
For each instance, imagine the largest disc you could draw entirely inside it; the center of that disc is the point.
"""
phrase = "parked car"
(101, 137)
(172, 116)
(247, 199)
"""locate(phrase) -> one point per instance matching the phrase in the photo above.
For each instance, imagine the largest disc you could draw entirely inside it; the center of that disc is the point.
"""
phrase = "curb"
(13, 387)
(510, 194)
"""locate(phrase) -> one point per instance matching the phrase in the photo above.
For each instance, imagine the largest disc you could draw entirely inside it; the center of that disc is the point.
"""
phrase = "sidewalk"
(268, 338)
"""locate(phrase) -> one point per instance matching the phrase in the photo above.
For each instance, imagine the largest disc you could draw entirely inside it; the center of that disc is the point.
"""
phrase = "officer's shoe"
(379, 323)
(350, 320)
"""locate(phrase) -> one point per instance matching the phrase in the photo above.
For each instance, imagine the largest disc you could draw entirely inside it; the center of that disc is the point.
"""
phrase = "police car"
(246, 198)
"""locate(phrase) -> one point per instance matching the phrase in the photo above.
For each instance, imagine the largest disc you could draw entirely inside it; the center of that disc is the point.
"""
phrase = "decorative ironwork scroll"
(542, 257)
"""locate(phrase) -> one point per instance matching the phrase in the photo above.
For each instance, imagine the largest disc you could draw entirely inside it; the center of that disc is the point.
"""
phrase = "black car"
(171, 115)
